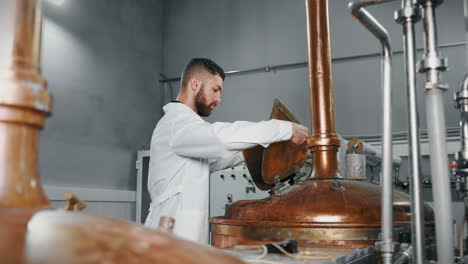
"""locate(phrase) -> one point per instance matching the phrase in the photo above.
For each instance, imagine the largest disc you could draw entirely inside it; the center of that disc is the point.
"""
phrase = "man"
(185, 149)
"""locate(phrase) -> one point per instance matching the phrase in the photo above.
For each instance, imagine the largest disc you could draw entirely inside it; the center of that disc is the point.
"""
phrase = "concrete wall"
(246, 34)
(101, 59)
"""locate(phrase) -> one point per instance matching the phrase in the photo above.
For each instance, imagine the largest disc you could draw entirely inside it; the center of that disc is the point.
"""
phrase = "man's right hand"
(299, 133)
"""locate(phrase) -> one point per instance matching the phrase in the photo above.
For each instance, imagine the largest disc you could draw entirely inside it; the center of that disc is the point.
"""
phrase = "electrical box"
(230, 185)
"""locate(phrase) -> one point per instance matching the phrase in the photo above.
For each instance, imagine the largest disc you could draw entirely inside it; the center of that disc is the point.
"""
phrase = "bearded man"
(185, 149)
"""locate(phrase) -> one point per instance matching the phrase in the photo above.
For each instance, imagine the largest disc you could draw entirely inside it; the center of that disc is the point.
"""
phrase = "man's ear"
(195, 84)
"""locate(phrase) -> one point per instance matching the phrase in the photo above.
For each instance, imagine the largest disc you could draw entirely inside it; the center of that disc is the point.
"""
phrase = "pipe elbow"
(354, 7)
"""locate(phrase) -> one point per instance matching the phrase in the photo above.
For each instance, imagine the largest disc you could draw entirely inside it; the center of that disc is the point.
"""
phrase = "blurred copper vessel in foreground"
(34, 236)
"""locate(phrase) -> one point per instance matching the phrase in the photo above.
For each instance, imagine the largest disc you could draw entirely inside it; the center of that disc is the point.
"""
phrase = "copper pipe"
(24, 104)
(323, 143)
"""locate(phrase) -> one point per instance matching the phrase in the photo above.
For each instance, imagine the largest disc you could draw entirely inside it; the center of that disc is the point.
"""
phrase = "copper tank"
(319, 212)
(325, 210)
(29, 232)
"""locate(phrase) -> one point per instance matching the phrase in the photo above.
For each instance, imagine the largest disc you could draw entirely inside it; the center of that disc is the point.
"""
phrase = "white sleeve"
(230, 159)
(199, 139)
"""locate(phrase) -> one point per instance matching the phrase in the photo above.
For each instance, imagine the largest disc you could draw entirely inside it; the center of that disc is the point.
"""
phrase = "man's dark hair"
(196, 64)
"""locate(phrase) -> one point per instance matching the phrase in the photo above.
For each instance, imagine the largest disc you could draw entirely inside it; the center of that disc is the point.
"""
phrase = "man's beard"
(203, 108)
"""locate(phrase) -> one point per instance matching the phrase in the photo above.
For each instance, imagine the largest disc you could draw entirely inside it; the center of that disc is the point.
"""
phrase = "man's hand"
(299, 133)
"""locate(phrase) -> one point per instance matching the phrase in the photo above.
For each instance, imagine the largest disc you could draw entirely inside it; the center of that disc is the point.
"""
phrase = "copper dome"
(323, 212)
(327, 203)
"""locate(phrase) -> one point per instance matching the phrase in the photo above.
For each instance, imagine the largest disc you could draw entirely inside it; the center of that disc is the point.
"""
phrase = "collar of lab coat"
(179, 107)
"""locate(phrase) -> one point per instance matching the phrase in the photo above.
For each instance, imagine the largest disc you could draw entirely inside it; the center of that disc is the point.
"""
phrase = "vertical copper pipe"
(323, 143)
(24, 104)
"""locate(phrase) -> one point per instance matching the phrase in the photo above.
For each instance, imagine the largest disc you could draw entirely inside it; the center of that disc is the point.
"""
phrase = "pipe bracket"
(460, 97)
(436, 85)
(435, 3)
(412, 14)
(387, 247)
(329, 142)
(432, 63)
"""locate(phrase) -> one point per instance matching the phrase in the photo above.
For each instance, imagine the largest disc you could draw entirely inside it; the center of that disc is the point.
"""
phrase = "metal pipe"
(462, 245)
(452, 132)
(371, 151)
(386, 245)
(295, 65)
(464, 135)
(323, 142)
(431, 65)
(465, 4)
(461, 102)
(406, 256)
(408, 15)
(432, 74)
(167, 93)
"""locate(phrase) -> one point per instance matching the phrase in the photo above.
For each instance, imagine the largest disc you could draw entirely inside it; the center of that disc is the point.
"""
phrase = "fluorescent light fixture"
(56, 2)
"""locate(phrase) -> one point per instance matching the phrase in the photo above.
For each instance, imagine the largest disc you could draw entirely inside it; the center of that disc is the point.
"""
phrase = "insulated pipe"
(431, 65)
(440, 174)
(324, 142)
(386, 245)
(408, 15)
(371, 151)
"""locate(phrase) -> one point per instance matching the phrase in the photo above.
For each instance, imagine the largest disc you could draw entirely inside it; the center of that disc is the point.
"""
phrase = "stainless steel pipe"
(432, 65)
(408, 15)
(461, 102)
(406, 256)
(386, 245)
(372, 152)
(465, 4)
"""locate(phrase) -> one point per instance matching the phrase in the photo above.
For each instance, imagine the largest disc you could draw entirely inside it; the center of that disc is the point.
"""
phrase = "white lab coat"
(184, 150)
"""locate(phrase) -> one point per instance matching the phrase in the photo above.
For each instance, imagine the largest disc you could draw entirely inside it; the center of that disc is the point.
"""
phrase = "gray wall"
(101, 59)
(245, 34)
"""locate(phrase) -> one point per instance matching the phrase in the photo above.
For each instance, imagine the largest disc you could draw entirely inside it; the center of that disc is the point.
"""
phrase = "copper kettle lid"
(279, 162)
(325, 203)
